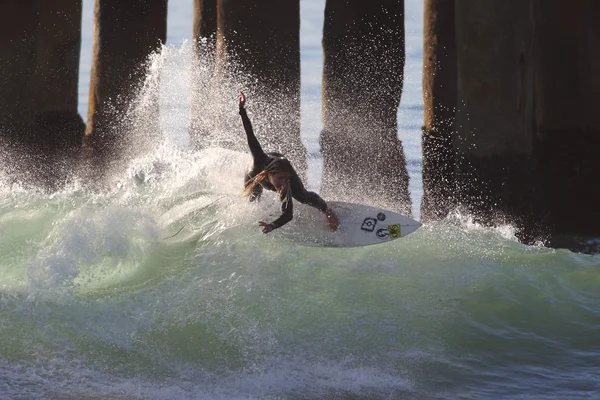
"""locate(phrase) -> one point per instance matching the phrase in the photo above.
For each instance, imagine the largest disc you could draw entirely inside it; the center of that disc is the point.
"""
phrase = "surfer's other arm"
(287, 214)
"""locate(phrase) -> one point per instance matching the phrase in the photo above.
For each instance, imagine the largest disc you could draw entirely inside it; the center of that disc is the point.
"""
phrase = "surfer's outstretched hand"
(266, 227)
(332, 220)
(242, 99)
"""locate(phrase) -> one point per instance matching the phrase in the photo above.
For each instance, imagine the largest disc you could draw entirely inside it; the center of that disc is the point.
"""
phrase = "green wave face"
(168, 289)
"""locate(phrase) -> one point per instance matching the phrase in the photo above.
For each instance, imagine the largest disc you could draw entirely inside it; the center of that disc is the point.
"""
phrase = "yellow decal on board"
(394, 230)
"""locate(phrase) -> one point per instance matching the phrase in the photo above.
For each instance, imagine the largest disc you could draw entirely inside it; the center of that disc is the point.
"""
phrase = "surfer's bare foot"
(332, 220)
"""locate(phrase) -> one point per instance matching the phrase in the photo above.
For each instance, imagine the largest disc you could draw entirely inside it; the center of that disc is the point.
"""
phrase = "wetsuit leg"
(304, 196)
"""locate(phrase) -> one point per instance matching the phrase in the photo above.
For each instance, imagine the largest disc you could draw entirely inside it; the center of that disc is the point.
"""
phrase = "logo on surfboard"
(368, 224)
(382, 233)
(392, 231)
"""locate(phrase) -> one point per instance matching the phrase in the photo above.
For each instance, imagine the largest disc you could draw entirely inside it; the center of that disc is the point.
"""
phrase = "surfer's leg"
(312, 199)
(304, 196)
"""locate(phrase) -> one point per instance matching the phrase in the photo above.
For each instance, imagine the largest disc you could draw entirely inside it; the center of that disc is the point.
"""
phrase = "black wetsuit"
(260, 160)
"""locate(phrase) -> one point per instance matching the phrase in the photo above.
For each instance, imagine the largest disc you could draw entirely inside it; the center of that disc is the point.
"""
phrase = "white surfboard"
(360, 225)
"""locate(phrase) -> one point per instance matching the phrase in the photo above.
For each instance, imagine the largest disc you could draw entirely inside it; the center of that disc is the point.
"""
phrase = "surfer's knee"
(255, 193)
(254, 197)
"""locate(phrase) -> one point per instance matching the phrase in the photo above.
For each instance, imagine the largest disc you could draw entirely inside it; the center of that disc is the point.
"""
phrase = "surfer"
(272, 171)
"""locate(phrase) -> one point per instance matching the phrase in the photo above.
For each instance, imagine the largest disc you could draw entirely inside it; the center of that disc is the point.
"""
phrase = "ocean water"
(162, 287)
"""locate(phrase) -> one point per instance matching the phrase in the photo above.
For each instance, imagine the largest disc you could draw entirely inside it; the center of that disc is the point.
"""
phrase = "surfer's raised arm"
(258, 155)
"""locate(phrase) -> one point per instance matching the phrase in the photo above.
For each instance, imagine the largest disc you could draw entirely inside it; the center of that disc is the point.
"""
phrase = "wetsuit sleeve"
(287, 213)
(256, 150)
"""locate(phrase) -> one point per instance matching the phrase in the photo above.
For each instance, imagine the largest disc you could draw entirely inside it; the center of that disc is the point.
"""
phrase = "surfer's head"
(277, 172)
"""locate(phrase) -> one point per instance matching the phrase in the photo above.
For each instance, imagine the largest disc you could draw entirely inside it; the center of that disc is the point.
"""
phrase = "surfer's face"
(278, 179)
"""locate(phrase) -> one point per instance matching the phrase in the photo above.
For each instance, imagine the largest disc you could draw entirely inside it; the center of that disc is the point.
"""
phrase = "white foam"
(88, 240)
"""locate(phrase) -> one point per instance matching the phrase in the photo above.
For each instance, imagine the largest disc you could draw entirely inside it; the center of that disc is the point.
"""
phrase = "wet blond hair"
(279, 164)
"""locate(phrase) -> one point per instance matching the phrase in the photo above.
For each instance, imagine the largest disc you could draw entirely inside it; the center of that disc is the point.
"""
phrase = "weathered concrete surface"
(497, 167)
(203, 82)
(439, 99)
(567, 120)
(125, 34)
(18, 34)
(527, 126)
(364, 55)
(54, 85)
(40, 47)
(262, 41)
(205, 19)
(494, 77)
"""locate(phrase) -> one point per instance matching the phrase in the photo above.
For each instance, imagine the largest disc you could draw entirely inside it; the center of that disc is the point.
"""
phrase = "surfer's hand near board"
(266, 227)
(332, 220)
